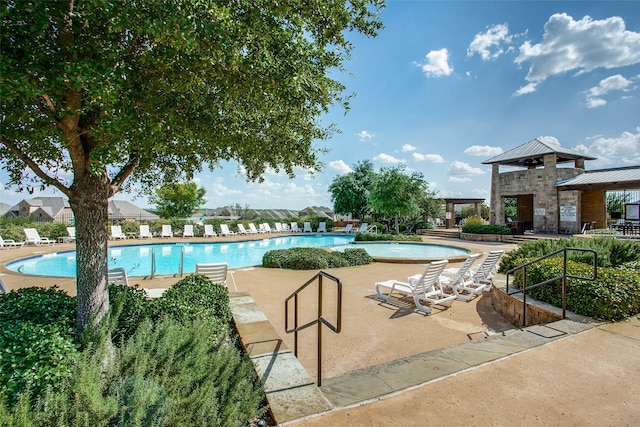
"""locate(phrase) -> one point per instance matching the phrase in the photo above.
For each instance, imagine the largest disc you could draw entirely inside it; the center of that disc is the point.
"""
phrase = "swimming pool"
(407, 252)
(136, 259)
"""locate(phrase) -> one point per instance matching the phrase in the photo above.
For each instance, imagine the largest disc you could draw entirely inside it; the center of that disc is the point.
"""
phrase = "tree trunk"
(397, 225)
(90, 203)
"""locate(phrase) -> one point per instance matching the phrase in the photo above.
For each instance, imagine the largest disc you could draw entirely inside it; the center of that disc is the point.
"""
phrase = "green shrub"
(39, 306)
(34, 356)
(314, 258)
(168, 374)
(474, 228)
(614, 295)
(368, 237)
(129, 308)
(610, 252)
(196, 297)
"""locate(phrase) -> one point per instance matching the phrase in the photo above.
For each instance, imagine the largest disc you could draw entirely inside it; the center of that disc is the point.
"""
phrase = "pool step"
(290, 391)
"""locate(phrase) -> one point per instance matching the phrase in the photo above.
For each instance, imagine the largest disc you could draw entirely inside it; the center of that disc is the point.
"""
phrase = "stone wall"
(511, 308)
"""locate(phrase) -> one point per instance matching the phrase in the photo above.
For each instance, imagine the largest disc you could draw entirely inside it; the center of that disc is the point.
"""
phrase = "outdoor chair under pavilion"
(425, 287)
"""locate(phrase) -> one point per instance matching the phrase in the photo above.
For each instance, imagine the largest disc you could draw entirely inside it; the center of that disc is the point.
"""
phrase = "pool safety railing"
(563, 277)
(319, 320)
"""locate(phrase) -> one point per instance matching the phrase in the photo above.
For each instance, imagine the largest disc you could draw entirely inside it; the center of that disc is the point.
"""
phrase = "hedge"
(314, 258)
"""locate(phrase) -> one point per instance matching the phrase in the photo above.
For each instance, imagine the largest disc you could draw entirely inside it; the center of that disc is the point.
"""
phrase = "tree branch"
(11, 145)
(124, 173)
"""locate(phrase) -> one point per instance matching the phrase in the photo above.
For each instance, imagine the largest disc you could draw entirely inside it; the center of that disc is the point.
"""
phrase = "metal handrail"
(562, 277)
(319, 320)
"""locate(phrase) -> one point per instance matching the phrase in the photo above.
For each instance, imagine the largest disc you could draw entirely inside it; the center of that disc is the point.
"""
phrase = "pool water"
(136, 259)
(405, 250)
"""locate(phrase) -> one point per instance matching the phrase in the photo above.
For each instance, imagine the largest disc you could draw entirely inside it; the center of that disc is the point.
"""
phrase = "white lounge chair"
(117, 276)
(3, 288)
(322, 227)
(267, 228)
(295, 228)
(10, 243)
(71, 235)
(278, 227)
(252, 228)
(364, 227)
(32, 236)
(144, 232)
(348, 229)
(425, 287)
(306, 228)
(209, 231)
(485, 271)
(461, 281)
(242, 230)
(224, 230)
(217, 272)
(188, 230)
(116, 233)
(166, 231)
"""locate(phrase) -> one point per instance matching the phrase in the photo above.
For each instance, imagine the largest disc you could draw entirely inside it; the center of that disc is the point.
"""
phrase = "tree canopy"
(100, 94)
(179, 200)
(349, 192)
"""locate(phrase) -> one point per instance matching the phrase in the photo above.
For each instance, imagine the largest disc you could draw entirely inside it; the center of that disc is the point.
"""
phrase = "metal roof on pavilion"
(626, 178)
(532, 154)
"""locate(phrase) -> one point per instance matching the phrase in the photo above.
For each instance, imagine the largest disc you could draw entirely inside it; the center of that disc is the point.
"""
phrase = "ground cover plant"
(474, 228)
(613, 295)
(314, 258)
(176, 361)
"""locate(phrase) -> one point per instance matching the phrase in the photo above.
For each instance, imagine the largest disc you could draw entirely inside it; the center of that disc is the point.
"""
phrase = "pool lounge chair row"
(441, 286)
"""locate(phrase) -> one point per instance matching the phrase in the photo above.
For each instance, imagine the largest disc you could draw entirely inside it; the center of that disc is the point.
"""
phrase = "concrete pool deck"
(586, 378)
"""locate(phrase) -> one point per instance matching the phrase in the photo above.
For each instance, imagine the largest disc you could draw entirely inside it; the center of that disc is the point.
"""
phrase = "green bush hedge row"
(314, 258)
(368, 237)
(610, 252)
(176, 362)
(614, 295)
(474, 228)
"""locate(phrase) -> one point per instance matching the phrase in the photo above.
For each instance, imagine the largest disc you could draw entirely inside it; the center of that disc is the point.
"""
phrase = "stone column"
(496, 215)
(548, 199)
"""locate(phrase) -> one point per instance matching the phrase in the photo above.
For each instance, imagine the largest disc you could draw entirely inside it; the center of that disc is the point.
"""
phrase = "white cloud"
(219, 189)
(340, 166)
(460, 179)
(386, 158)
(580, 46)
(550, 140)
(483, 150)
(493, 39)
(364, 136)
(458, 168)
(611, 83)
(408, 147)
(528, 88)
(433, 158)
(621, 151)
(437, 64)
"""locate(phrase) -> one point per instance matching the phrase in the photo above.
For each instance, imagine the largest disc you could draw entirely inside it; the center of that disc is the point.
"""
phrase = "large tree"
(396, 193)
(178, 200)
(99, 94)
(349, 192)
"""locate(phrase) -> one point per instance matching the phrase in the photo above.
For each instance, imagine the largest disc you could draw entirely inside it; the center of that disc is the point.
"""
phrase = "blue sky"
(449, 84)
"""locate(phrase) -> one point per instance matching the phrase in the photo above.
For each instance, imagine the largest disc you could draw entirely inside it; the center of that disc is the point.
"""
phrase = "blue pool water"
(405, 250)
(136, 259)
